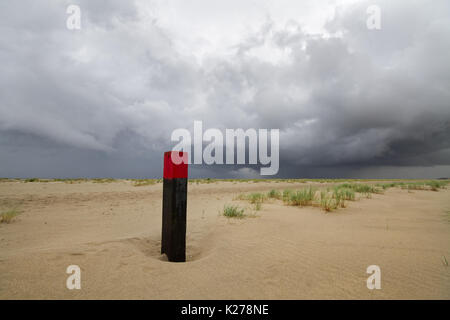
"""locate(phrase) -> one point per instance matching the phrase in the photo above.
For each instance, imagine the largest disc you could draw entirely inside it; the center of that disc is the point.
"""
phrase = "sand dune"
(112, 231)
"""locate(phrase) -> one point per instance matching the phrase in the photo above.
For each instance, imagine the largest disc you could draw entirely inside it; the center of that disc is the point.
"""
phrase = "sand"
(112, 231)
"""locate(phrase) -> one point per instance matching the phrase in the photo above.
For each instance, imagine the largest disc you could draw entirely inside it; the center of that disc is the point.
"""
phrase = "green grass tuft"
(256, 197)
(303, 197)
(8, 216)
(344, 194)
(328, 204)
(274, 194)
(287, 195)
(231, 211)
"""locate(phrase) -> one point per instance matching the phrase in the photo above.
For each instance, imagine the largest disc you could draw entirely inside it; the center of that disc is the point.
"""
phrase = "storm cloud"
(103, 100)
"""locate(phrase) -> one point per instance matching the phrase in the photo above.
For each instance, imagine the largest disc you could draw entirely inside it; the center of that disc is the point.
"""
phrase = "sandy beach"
(112, 231)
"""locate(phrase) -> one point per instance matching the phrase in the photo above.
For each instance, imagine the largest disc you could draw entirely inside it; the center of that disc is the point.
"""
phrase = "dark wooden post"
(173, 236)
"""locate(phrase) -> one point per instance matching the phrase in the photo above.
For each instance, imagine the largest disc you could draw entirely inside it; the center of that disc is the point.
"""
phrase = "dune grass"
(252, 197)
(145, 182)
(359, 187)
(327, 199)
(344, 194)
(386, 186)
(286, 195)
(430, 185)
(256, 197)
(274, 194)
(104, 180)
(205, 180)
(327, 203)
(72, 181)
(231, 211)
(9, 215)
(303, 197)
(336, 196)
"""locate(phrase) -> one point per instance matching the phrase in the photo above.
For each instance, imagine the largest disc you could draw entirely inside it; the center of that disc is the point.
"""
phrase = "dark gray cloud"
(103, 101)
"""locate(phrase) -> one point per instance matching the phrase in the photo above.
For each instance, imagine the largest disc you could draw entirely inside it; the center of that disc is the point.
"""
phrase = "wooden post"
(173, 236)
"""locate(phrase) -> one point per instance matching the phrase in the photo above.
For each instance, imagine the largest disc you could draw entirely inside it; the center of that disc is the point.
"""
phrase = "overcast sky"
(103, 101)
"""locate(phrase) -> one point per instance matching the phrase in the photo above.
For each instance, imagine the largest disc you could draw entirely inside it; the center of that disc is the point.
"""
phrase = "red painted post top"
(175, 164)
